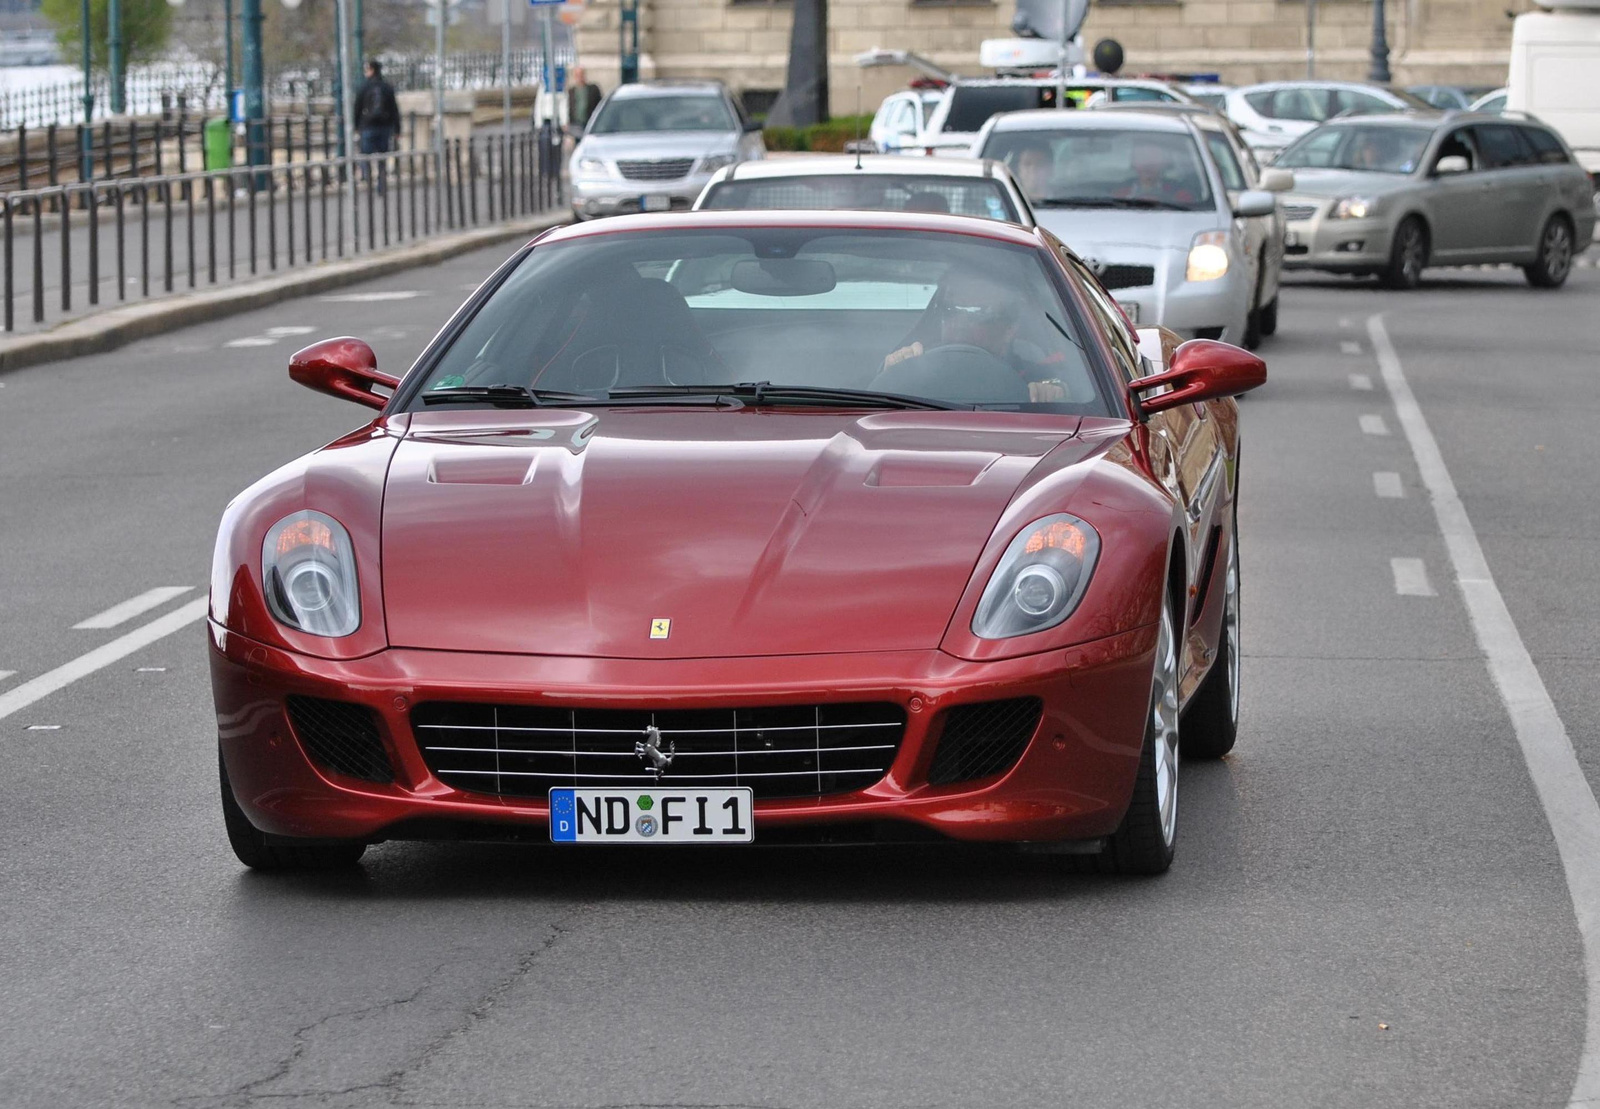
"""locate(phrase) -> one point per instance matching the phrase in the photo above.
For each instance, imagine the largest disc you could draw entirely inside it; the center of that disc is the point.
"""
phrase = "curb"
(116, 327)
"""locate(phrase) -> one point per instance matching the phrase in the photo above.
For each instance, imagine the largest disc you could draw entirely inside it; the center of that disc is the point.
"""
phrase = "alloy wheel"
(1411, 260)
(1230, 629)
(1557, 251)
(1164, 726)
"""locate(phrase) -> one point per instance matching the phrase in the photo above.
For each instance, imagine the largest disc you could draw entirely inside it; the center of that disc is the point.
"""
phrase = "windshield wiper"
(505, 396)
(1138, 202)
(766, 393)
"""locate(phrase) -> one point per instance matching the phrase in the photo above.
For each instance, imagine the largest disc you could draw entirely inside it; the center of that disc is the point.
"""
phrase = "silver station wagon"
(1391, 195)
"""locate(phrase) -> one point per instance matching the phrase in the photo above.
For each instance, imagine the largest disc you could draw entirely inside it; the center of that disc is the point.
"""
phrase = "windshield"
(1371, 149)
(1107, 168)
(975, 196)
(951, 318)
(702, 112)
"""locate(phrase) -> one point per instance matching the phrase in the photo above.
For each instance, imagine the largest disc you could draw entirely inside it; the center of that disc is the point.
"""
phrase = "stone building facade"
(745, 42)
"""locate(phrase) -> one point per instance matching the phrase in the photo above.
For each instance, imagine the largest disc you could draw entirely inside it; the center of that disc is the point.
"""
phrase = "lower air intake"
(983, 739)
(341, 737)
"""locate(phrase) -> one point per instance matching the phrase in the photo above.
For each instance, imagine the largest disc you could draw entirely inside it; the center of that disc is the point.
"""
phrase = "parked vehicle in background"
(1210, 93)
(1490, 103)
(901, 118)
(652, 146)
(872, 182)
(1141, 198)
(1391, 195)
(968, 105)
(1555, 76)
(1449, 97)
(1273, 115)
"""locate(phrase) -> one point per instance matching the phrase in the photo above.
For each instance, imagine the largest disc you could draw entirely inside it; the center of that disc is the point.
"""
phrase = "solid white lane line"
(1411, 577)
(1386, 483)
(127, 610)
(1363, 382)
(1349, 346)
(1373, 424)
(1569, 803)
(34, 689)
(4, 674)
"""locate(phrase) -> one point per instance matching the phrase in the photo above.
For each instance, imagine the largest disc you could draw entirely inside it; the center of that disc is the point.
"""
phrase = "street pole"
(348, 184)
(359, 53)
(255, 93)
(1311, 39)
(1061, 65)
(118, 73)
(547, 60)
(85, 152)
(1380, 46)
(442, 10)
(227, 48)
(505, 67)
(628, 44)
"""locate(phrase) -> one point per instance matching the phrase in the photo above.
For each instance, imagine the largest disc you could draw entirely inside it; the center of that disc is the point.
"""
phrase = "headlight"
(589, 167)
(1353, 207)
(1208, 257)
(1040, 579)
(713, 162)
(308, 571)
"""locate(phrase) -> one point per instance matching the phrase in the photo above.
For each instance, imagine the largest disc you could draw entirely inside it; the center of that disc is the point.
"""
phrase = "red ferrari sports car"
(734, 526)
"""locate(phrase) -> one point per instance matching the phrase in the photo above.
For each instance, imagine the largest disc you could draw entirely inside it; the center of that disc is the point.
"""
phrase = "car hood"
(1088, 230)
(658, 144)
(755, 532)
(1347, 182)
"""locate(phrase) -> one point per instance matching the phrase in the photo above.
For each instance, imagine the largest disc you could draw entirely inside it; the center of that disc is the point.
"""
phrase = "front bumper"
(615, 196)
(1194, 309)
(1317, 242)
(1073, 780)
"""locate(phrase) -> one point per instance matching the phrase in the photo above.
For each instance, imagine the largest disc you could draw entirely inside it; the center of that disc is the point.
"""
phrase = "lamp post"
(85, 153)
(118, 71)
(227, 48)
(1379, 74)
(255, 93)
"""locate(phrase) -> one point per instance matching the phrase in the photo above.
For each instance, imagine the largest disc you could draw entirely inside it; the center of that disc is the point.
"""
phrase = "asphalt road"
(1367, 908)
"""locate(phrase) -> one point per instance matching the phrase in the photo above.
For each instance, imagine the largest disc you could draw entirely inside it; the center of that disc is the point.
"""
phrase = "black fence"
(76, 246)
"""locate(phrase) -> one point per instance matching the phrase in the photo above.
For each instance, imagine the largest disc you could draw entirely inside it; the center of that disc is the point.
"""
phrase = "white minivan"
(1554, 55)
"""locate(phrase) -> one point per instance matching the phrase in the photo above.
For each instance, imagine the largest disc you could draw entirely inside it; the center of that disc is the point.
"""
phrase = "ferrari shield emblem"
(659, 629)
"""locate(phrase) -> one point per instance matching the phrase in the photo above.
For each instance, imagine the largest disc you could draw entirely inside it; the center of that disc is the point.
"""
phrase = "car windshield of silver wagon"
(946, 318)
(1355, 147)
(963, 196)
(1103, 168)
(663, 113)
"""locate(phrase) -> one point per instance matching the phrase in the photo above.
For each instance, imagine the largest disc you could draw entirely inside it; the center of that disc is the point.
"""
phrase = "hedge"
(822, 137)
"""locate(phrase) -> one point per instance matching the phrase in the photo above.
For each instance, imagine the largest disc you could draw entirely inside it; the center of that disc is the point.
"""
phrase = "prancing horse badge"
(660, 629)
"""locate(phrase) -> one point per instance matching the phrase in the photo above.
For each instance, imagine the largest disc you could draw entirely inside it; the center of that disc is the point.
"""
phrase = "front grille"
(660, 169)
(789, 751)
(983, 739)
(1127, 277)
(1297, 212)
(342, 737)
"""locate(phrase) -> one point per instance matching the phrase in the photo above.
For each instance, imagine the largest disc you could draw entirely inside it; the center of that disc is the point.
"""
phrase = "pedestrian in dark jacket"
(377, 114)
(583, 97)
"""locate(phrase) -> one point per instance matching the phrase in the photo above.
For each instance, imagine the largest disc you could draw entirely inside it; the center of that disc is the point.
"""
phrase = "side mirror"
(344, 368)
(1201, 369)
(1276, 180)
(1255, 202)
(1450, 163)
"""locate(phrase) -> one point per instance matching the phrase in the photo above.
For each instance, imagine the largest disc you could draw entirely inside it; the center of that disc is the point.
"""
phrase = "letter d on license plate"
(652, 815)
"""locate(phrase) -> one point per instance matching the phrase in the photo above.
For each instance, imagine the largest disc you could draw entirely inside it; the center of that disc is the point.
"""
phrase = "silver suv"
(651, 147)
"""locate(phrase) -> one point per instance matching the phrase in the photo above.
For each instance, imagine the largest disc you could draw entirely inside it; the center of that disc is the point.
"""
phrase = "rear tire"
(1144, 842)
(1554, 263)
(1211, 722)
(253, 850)
(1408, 256)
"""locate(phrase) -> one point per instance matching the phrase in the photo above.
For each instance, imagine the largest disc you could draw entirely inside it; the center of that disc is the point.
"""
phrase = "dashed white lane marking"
(127, 610)
(295, 329)
(1346, 321)
(269, 336)
(1348, 346)
(4, 674)
(44, 727)
(1386, 483)
(371, 298)
(1558, 778)
(1411, 577)
(34, 689)
(1373, 424)
(250, 341)
(1361, 382)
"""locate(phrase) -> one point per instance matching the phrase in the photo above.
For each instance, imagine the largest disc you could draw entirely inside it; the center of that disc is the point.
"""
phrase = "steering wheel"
(956, 372)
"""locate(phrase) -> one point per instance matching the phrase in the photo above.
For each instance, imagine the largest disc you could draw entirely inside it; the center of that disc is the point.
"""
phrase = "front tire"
(253, 850)
(1408, 256)
(1251, 339)
(1144, 842)
(1269, 317)
(1550, 269)
(1211, 723)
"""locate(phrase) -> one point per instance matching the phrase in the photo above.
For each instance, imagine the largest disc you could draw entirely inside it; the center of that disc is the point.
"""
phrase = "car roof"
(642, 89)
(881, 164)
(928, 222)
(1355, 86)
(1063, 119)
(1071, 82)
(1400, 119)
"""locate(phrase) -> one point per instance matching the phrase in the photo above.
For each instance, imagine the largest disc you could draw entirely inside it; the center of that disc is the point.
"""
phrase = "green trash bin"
(218, 144)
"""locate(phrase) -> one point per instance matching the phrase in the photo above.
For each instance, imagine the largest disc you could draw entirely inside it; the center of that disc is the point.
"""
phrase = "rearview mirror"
(1450, 163)
(783, 277)
(1201, 369)
(343, 367)
(1277, 180)
(1255, 202)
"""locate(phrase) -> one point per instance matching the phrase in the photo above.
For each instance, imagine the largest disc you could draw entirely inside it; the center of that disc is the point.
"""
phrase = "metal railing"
(70, 248)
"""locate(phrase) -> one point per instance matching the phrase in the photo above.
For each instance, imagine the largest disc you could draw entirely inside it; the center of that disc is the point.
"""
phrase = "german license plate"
(1131, 308)
(655, 203)
(652, 815)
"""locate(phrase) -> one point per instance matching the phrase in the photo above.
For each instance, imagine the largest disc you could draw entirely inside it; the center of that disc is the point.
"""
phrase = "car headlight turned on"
(1040, 579)
(1208, 257)
(308, 571)
(1353, 207)
(713, 162)
(589, 167)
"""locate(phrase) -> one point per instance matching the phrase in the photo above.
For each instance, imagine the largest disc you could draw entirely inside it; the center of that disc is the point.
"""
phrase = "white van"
(1554, 58)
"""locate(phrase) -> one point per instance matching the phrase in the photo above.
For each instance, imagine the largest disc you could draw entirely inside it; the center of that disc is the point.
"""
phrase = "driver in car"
(973, 310)
(1152, 176)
